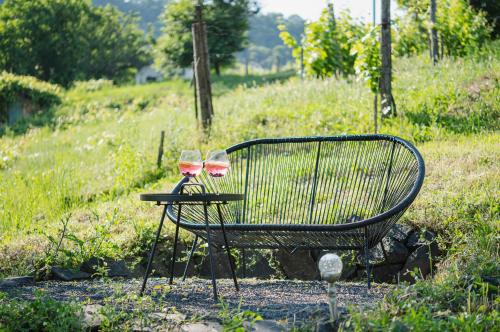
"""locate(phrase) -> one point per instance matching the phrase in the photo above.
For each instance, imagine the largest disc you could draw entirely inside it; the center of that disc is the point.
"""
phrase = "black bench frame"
(404, 176)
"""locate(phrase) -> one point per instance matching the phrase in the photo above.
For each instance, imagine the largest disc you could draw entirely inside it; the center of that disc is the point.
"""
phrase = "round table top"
(191, 198)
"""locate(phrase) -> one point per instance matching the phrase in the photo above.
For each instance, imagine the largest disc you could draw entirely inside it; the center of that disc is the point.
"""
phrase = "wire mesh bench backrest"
(319, 180)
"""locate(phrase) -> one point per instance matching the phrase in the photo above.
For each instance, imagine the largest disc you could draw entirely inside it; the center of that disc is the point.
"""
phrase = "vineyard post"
(202, 69)
(387, 104)
(434, 35)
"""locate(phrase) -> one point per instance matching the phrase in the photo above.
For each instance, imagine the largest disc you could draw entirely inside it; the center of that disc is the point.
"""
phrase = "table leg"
(172, 264)
(227, 248)
(193, 248)
(150, 261)
(212, 267)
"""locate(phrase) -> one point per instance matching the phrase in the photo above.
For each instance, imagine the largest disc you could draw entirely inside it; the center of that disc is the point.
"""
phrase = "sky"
(311, 9)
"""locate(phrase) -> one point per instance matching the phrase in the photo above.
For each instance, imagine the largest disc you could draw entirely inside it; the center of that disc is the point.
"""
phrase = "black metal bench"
(337, 192)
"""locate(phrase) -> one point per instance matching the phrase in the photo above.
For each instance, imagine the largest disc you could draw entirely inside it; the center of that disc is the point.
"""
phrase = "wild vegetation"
(70, 175)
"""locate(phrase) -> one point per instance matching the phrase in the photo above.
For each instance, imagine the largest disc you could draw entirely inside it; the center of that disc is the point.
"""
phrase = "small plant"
(41, 314)
(237, 320)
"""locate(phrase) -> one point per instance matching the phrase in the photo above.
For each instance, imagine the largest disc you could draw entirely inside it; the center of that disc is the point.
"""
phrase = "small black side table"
(202, 199)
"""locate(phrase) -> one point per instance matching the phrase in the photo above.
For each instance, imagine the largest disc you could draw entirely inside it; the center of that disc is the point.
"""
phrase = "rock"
(395, 251)
(176, 317)
(17, 281)
(257, 265)
(299, 265)
(263, 326)
(202, 327)
(92, 317)
(114, 268)
(326, 326)
(68, 275)
(221, 263)
(386, 273)
(400, 232)
(348, 271)
(420, 260)
(417, 239)
(375, 256)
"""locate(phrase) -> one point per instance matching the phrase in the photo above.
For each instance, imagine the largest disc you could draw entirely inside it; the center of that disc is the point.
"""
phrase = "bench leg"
(172, 264)
(193, 248)
(231, 265)
(212, 267)
(152, 253)
(367, 259)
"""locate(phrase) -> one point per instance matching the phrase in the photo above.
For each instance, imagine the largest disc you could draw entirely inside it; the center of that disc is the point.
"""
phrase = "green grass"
(97, 151)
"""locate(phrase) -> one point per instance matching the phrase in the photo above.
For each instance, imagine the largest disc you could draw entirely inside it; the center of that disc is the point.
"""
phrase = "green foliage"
(233, 319)
(461, 29)
(368, 61)
(227, 24)
(327, 44)
(40, 93)
(64, 40)
(460, 298)
(492, 10)
(41, 314)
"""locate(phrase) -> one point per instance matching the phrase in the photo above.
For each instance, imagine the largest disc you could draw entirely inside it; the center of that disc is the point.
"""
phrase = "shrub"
(41, 314)
(40, 93)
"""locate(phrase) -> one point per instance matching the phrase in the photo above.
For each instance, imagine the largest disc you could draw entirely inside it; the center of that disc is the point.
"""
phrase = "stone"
(375, 256)
(68, 274)
(17, 281)
(263, 326)
(417, 239)
(257, 265)
(386, 273)
(326, 326)
(299, 265)
(420, 259)
(176, 317)
(113, 267)
(395, 251)
(92, 317)
(221, 264)
(400, 232)
(202, 327)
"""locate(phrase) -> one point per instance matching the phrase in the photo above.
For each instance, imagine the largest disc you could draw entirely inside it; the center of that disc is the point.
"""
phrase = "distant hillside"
(149, 11)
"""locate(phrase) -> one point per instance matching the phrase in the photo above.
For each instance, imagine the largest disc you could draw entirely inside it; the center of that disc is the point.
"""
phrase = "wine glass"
(190, 163)
(217, 163)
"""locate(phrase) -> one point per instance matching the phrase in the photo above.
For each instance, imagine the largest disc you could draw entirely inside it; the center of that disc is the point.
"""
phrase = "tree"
(64, 40)
(227, 24)
(492, 10)
(459, 28)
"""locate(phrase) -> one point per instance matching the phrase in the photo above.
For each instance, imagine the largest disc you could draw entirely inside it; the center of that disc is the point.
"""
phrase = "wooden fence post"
(434, 34)
(387, 103)
(160, 149)
(202, 69)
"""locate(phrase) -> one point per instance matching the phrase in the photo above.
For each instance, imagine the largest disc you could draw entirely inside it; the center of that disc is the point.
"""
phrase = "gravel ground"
(283, 300)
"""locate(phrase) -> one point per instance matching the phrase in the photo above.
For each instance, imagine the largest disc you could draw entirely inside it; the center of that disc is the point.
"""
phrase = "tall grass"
(101, 145)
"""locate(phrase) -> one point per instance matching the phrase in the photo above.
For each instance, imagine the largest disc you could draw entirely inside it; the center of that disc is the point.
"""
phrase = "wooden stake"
(202, 69)
(160, 149)
(387, 104)
(434, 34)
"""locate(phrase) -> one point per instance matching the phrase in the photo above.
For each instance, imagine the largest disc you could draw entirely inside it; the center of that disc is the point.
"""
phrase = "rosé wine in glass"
(190, 163)
(216, 168)
(217, 163)
(190, 169)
